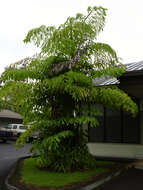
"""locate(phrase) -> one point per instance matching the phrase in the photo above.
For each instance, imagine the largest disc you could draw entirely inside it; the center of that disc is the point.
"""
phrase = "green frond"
(116, 98)
(39, 35)
(113, 71)
(104, 55)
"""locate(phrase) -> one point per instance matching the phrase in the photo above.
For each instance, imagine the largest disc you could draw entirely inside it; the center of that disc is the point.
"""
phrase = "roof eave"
(133, 73)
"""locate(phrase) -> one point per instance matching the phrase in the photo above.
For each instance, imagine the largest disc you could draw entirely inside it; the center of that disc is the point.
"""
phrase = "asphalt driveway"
(131, 180)
(8, 156)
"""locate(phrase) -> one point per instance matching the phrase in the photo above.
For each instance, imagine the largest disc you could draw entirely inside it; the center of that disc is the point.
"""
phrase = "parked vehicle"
(5, 134)
(18, 129)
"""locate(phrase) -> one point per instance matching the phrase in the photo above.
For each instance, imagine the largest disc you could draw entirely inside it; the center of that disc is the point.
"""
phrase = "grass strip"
(34, 176)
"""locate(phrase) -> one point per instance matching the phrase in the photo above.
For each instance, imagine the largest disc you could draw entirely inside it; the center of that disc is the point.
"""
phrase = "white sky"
(123, 30)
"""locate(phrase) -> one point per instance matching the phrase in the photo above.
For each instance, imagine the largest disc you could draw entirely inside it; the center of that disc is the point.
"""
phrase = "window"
(14, 126)
(22, 127)
(9, 126)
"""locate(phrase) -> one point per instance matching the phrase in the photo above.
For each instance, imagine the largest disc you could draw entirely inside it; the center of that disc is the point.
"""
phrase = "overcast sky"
(123, 30)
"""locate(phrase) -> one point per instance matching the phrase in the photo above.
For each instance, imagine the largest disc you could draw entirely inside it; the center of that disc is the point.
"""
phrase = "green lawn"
(34, 176)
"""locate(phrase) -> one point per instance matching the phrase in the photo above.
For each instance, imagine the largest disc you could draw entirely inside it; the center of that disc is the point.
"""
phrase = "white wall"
(116, 150)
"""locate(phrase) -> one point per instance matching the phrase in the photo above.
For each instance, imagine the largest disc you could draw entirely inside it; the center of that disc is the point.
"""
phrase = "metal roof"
(134, 66)
(10, 114)
(130, 67)
(103, 81)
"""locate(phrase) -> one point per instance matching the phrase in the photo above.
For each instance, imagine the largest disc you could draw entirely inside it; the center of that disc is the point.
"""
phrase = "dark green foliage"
(63, 152)
(55, 92)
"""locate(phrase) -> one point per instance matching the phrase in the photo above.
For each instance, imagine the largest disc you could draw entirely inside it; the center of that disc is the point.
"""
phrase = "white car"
(17, 129)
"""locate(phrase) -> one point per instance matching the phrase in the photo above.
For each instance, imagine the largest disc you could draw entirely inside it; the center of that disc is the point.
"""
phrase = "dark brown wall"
(133, 85)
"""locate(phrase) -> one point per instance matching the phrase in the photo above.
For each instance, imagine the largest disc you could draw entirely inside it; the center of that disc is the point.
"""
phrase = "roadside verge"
(92, 183)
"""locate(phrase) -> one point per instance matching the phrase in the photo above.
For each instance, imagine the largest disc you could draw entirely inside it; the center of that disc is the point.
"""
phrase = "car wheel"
(18, 135)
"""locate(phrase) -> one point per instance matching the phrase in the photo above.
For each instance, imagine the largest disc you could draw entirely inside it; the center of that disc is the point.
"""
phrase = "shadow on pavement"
(130, 180)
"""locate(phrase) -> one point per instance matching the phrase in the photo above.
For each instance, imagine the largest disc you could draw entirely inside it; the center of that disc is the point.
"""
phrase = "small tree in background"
(54, 91)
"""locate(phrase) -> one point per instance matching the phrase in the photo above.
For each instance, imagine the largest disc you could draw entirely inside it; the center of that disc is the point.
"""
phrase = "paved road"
(131, 180)
(8, 156)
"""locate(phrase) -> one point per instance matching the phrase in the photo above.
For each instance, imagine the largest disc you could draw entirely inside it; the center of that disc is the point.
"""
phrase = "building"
(8, 117)
(119, 134)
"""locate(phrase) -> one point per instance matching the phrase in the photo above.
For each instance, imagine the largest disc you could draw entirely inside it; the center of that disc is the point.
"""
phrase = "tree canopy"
(54, 91)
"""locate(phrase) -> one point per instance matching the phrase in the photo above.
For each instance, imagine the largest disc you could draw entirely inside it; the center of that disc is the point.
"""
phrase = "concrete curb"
(9, 186)
(102, 181)
(87, 187)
